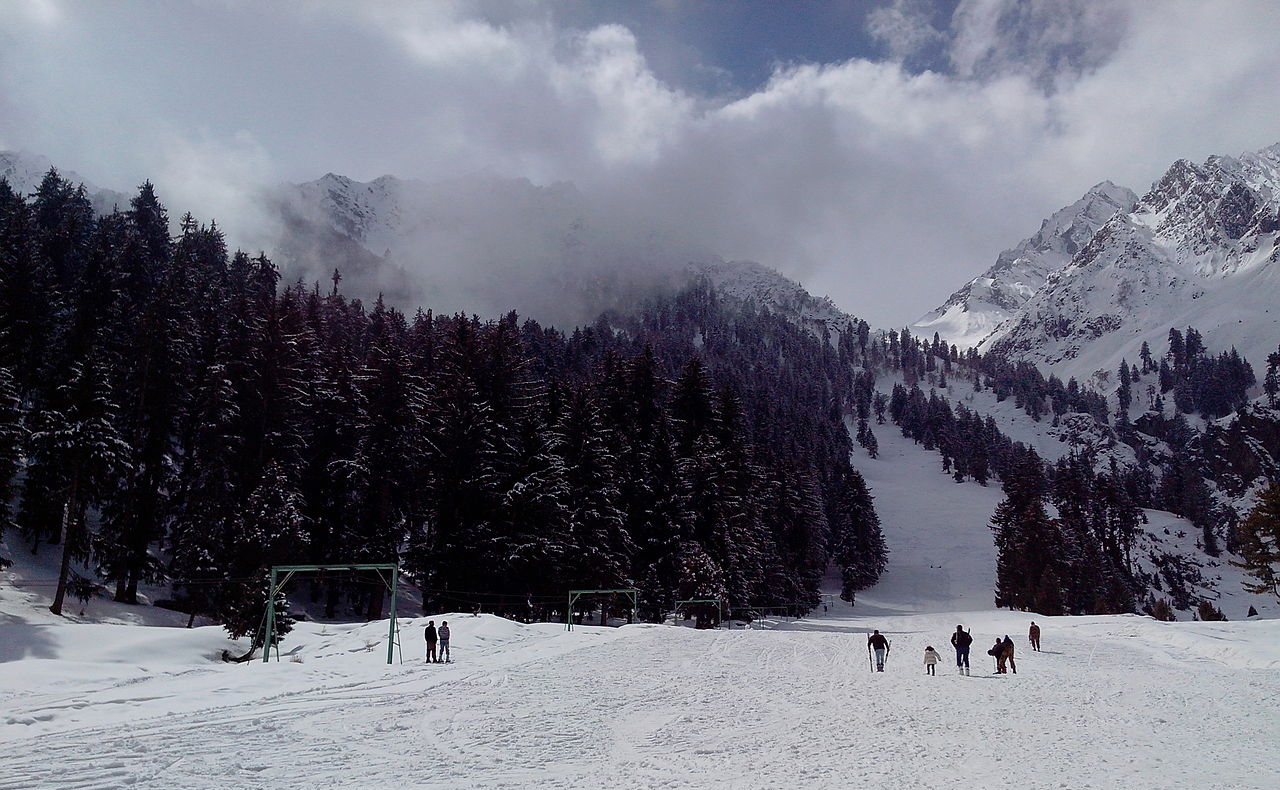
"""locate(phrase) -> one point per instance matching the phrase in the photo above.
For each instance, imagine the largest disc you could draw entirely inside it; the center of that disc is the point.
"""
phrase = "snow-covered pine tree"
(858, 548)
(12, 439)
(599, 547)
(76, 436)
(271, 532)
(151, 335)
(206, 510)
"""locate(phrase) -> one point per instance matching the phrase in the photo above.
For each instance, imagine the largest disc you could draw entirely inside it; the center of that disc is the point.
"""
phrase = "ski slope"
(1113, 702)
(942, 555)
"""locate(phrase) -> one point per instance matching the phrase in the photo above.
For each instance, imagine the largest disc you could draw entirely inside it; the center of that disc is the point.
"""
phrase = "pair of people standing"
(435, 635)
(1002, 651)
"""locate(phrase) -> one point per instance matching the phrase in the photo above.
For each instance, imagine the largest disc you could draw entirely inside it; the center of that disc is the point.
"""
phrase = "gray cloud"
(884, 187)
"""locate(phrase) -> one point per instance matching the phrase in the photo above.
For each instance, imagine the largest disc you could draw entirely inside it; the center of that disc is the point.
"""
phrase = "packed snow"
(1112, 702)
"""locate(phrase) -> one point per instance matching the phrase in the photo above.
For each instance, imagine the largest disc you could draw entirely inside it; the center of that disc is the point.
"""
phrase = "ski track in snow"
(1117, 702)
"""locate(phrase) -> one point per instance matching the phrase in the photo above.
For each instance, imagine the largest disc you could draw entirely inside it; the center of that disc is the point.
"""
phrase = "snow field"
(1113, 702)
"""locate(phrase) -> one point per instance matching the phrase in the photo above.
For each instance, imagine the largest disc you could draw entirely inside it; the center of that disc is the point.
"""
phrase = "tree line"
(172, 412)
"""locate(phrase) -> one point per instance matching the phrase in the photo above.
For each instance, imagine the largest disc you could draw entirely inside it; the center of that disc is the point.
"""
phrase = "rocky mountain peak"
(1201, 249)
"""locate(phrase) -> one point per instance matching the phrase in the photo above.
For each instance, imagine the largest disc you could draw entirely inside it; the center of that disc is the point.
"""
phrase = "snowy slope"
(971, 314)
(941, 553)
(1112, 702)
(1201, 248)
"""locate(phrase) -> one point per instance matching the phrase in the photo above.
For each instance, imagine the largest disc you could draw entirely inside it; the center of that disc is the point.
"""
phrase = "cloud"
(906, 28)
(1050, 41)
(885, 185)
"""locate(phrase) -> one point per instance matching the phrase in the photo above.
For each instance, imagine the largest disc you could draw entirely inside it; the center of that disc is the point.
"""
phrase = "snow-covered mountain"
(1200, 249)
(480, 244)
(972, 313)
(25, 171)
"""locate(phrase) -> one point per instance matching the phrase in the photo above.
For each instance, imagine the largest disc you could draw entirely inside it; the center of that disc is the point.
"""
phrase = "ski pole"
(870, 664)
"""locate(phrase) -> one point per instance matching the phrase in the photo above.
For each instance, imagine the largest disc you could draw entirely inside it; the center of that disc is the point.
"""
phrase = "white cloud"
(884, 187)
(905, 27)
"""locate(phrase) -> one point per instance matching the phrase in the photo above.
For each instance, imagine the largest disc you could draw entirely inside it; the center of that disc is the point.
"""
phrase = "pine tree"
(75, 435)
(12, 439)
(1027, 540)
(1259, 543)
(858, 547)
(207, 509)
(599, 545)
(271, 532)
(1271, 383)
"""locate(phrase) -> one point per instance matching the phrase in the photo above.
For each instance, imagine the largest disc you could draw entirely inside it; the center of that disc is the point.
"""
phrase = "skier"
(1034, 636)
(881, 646)
(1006, 654)
(431, 635)
(444, 642)
(931, 659)
(961, 640)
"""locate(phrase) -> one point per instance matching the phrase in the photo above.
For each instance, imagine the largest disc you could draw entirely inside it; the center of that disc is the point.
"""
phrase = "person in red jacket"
(1034, 636)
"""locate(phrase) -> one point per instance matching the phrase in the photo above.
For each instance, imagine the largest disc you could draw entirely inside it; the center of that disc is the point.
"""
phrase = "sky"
(881, 152)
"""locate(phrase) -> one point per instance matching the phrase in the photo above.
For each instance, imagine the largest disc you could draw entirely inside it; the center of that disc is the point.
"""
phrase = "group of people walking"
(1002, 651)
(436, 636)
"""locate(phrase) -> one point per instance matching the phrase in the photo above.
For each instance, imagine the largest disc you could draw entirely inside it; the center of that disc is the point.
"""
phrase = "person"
(444, 642)
(1034, 636)
(996, 651)
(961, 640)
(1006, 654)
(931, 659)
(881, 645)
(432, 636)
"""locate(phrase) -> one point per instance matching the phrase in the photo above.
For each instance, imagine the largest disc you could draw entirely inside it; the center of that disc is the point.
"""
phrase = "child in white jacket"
(931, 658)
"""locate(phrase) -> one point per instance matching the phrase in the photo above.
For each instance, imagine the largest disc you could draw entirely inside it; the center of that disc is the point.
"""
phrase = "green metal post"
(271, 618)
(391, 635)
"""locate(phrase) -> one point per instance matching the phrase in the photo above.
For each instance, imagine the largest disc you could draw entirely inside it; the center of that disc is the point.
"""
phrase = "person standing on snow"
(1006, 654)
(444, 642)
(432, 636)
(961, 640)
(1034, 636)
(996, 651)
(931, 659)
(881, 645)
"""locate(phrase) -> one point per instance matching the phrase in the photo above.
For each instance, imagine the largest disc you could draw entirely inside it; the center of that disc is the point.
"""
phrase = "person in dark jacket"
(1033, 635)
(996, 651)
(961, 640)
(878, 643)
(1006, 654)
(432, 637)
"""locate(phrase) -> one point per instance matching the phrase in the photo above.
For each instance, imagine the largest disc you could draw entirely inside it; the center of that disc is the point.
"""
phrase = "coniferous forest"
(171, 412)
(174, 414)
